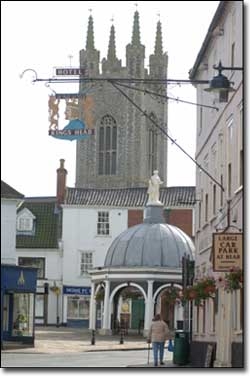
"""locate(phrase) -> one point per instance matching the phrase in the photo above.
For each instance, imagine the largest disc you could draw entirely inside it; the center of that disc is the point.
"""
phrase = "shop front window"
(39, 308)
(34, 262)
(23, 309)
(78, 308)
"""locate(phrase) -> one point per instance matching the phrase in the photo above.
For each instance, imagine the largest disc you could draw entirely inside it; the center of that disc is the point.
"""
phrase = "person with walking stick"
(158, 334)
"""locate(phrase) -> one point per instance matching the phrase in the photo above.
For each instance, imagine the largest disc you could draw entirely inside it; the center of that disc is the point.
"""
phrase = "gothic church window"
(107, 146)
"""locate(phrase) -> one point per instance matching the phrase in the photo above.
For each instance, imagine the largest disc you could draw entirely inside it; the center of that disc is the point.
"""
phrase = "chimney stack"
(61, 182)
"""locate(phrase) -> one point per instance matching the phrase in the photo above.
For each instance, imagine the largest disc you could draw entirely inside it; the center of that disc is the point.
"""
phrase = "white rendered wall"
(8, 231)
(80, 234)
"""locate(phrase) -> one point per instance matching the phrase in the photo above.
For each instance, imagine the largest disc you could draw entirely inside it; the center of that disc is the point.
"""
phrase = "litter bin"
(181, 348)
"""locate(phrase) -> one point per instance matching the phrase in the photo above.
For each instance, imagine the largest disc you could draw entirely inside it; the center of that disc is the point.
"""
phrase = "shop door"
(138, 309)
(6, 314)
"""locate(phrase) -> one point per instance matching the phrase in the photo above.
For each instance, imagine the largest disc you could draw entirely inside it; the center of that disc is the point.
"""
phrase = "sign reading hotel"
(70, 71)
(227, 251)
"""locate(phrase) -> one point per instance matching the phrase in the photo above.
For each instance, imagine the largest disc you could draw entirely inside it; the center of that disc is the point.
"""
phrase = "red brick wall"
(135, 217)
(181, 218)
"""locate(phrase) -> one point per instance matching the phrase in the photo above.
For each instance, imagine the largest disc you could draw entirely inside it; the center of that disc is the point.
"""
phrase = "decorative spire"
(90, 35)
(158, 40)
(111, 49)
(136, 30)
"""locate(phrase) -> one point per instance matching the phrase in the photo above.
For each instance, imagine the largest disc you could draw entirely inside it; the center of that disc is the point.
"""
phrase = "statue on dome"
(154, 189)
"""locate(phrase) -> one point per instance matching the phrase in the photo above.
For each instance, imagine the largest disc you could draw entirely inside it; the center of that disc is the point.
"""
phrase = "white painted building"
(38, 245)
(18, 284)
(10, 199)
(219, 150)
(87, 234)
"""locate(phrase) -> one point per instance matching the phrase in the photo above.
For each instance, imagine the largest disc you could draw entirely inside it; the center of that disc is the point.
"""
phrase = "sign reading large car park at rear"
(227, 251)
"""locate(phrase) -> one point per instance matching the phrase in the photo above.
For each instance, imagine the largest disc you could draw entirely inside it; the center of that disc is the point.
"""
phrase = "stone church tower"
(126, 147)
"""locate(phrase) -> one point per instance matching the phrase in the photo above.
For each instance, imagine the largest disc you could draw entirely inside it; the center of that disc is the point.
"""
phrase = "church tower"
(126, 147)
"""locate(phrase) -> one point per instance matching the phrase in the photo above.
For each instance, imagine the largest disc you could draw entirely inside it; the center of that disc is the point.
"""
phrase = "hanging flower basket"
(201, 290)
(55, 289)
(130, 293)
(233, 280)
(99, 296)
(172, 295)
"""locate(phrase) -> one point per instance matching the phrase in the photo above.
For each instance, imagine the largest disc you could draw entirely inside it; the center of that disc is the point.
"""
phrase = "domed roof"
(150, 245)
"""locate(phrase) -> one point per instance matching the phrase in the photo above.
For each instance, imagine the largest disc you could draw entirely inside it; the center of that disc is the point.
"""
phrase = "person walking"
(158, 334)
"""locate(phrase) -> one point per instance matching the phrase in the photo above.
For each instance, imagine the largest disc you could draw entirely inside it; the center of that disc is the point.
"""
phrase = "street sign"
(227, 251)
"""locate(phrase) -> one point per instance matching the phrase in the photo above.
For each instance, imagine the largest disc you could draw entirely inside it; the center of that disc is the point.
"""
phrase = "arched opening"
(169, 305)
(128, 309)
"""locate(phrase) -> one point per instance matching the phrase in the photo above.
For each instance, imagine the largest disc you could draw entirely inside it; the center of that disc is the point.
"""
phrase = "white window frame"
(103, 223)
(25, 221)
(86, 262)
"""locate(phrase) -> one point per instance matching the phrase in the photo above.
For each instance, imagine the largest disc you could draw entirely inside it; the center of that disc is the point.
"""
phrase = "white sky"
(41, 34)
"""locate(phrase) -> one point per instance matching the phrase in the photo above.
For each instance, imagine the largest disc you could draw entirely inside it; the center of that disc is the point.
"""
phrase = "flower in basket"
(130, 293)
(201, 289)
(189, 294)
(172, 295)
(234, 279)
(100, 295)
(220, 282)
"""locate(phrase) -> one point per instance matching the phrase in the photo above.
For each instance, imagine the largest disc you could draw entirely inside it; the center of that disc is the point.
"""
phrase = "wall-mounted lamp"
(220, 83)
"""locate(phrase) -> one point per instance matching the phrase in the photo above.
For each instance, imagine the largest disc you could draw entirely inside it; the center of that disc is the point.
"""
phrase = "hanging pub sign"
(227, 251)
(74, 111)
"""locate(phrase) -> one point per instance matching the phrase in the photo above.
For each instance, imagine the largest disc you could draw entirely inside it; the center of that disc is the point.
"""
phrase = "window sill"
(103, 236)
(84, 275)
(237, 332)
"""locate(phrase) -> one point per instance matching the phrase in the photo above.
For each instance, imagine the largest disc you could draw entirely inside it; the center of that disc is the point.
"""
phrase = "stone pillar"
(92, 310)
(106, 318)
(149, 308)
(224, 330)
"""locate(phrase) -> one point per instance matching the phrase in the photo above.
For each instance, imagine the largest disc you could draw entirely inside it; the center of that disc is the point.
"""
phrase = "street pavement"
(72, 347)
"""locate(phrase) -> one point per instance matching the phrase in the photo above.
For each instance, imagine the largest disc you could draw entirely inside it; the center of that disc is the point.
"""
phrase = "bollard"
(93, 337)
(121, 336)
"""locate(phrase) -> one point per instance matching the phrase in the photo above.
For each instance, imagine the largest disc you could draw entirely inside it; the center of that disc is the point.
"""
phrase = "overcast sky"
(42, 34)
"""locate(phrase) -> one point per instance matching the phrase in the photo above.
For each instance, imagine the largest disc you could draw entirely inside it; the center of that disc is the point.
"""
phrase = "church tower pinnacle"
(158, 41)
(111, 48)
(89, 58)
(135, 51)
(136, 40)
(111, 64)
(90, 45)
(158, 61)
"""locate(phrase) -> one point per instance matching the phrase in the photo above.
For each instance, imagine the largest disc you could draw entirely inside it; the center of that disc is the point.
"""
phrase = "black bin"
(181, 348)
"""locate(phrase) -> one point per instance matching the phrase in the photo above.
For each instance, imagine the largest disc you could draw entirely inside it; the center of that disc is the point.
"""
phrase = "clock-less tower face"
(126, 146)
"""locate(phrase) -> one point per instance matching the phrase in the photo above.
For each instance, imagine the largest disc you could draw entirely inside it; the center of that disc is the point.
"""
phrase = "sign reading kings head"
(74, 112)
